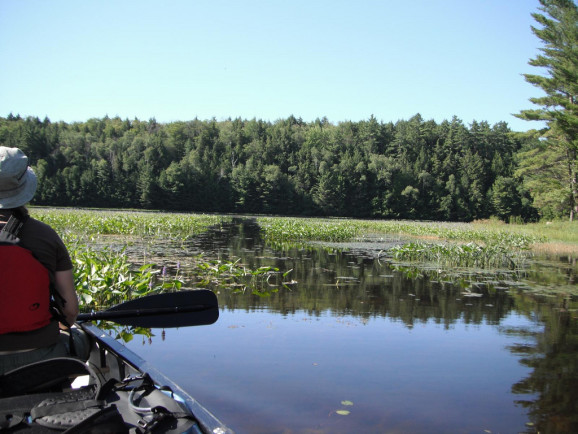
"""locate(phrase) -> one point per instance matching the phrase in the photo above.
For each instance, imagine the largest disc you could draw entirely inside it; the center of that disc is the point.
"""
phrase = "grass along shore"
(546, 237)
(105, 276)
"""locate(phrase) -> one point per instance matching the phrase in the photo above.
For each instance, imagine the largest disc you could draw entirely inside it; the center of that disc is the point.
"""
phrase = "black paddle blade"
(166, 310)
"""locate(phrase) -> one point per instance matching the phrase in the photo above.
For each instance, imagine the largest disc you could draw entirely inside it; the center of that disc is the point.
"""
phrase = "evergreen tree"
(505, 199)
(545, 176)
(559, 107)
(410, 169)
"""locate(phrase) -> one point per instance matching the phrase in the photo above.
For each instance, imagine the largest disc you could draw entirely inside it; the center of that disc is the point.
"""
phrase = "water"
(357, 347)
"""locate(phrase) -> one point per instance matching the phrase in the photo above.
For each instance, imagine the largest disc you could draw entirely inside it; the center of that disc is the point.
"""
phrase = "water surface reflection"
(356, 346)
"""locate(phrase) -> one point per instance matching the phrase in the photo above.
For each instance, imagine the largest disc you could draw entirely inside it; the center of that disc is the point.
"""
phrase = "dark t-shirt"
(49, 249)
(46, 245)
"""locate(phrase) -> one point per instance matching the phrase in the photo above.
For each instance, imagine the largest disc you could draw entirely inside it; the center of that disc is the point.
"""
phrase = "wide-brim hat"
(17, 180)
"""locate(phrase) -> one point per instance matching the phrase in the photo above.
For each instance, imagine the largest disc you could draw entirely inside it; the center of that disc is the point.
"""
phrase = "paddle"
(171, 309)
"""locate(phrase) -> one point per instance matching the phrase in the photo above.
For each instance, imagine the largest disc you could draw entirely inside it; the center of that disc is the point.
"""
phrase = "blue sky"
(174, 60)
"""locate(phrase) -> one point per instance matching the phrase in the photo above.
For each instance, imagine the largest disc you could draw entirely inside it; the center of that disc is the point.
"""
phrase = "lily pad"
(346, 403)
(343, 412)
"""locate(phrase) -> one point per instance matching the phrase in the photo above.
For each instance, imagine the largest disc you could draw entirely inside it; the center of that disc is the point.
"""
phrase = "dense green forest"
(414, 169)
(411, 169)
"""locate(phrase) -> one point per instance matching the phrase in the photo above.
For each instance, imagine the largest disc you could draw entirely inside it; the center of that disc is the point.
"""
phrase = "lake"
(348, 343)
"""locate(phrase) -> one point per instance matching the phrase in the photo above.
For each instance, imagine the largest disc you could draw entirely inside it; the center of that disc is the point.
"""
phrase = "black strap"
(106, 421)
(10, 233)
(12, 418)
(15, 410)
(50, 409)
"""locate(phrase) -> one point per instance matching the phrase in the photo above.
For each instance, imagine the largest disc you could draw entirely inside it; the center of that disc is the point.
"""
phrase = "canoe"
(115, 390)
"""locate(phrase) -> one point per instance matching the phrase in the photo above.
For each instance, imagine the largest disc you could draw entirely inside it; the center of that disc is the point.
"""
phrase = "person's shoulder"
(33, 225)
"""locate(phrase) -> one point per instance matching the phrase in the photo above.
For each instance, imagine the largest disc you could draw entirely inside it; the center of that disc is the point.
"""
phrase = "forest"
(411, 169)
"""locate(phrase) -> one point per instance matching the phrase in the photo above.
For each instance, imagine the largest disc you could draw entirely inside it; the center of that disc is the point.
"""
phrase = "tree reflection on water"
(334, 281)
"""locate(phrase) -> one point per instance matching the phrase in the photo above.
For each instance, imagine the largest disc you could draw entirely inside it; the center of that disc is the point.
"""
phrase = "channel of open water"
(352, 345)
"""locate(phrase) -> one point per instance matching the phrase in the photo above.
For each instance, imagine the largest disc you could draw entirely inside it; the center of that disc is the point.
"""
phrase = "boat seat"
(131, 405)
(45, 376)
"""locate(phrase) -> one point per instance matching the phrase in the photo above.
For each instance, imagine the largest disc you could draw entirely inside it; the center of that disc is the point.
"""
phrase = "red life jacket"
(24, 286)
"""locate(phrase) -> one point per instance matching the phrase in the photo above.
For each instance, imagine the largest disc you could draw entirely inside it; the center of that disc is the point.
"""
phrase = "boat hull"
(110, 359)
(114, 390)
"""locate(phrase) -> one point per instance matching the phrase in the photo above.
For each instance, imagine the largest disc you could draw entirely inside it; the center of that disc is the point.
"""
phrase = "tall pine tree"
(558, 32)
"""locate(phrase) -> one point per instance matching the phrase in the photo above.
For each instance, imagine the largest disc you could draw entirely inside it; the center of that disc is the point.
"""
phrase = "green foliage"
(106, 275)
(545, 172)
(505, 198)
(412, 169)
(517, 237)
(218, 274)
(558, 33)
(104, 278)
(279, 230)
(87, 223)
(471, 255)
(558, 108)
(461, 245)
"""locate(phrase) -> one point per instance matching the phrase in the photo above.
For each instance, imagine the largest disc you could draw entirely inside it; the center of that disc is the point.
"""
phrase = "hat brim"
(25, 192)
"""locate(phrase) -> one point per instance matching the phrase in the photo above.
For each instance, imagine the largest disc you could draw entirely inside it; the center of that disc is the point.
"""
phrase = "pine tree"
(559, 107)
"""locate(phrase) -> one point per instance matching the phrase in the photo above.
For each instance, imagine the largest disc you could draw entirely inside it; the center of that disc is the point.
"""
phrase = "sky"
(176, 60)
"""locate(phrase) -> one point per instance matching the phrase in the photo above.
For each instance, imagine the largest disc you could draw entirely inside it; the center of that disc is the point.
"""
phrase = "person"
(21, 345)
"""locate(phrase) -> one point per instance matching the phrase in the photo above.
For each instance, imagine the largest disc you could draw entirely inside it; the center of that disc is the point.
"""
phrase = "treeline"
(411, 169)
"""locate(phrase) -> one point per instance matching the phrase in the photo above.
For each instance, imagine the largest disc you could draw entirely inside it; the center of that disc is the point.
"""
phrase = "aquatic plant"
(493, 255)
(89, 223)
(460, 245)
(109, 275)
(216, 274)
(105, 277)
(291, 229)
(465, 232)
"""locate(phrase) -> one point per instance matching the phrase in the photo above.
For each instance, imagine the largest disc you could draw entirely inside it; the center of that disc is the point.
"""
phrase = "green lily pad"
(343, 412)
(346, 403)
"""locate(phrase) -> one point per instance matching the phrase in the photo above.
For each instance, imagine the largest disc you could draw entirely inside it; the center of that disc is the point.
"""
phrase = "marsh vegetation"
(124, 254)
(366, 311)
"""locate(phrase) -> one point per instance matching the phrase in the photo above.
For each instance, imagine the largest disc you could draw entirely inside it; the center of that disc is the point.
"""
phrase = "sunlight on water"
(380, 354)
(263, 370)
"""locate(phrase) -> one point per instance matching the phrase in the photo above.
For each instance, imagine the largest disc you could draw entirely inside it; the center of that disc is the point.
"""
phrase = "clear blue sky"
(173, 60)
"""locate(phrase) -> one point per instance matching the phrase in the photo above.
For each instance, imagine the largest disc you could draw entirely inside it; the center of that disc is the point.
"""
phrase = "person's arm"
(64, 281)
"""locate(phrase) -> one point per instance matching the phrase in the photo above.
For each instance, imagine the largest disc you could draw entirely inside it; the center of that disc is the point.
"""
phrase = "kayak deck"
(111, 359)
(115, 390)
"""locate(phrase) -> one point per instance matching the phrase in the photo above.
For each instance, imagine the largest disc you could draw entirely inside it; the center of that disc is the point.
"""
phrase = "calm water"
(357, 347)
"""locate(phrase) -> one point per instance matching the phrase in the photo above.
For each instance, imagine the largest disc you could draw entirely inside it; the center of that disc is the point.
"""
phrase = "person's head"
(17, 180)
